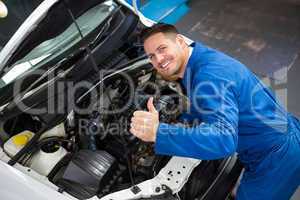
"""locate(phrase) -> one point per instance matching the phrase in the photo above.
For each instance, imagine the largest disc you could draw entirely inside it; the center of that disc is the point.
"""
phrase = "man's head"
(166, 50)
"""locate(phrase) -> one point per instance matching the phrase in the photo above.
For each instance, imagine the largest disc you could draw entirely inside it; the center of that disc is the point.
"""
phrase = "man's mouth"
(164, 65)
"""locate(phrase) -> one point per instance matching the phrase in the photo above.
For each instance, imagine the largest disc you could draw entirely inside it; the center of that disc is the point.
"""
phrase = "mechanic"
(238, 113)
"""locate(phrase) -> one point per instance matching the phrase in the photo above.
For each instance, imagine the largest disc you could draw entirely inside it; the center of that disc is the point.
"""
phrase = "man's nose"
(159, 58)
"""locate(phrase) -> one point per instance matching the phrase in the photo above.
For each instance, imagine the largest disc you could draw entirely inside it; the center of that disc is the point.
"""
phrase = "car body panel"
(20, 186)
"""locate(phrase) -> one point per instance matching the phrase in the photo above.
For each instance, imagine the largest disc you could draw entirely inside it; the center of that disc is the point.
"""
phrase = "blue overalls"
(238, 114)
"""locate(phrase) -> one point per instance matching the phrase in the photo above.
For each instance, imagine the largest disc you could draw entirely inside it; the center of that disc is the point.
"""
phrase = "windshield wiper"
(105, 27)
(86, 48)
(103, 30)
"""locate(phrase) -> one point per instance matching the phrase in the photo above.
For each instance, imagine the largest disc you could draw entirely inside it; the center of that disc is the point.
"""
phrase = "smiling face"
(168, 54)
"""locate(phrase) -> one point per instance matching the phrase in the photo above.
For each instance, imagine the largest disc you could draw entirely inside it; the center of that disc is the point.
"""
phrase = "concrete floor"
(264, 35)
(266, 38)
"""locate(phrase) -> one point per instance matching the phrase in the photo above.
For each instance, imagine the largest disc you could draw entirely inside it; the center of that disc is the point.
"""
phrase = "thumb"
(150, 105)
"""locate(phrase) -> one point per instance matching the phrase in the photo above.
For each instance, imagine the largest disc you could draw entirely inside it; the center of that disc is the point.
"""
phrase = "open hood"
(47, 21)
(75, 39)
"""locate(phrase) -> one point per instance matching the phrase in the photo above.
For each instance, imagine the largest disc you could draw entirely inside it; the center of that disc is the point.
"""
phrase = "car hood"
(79, 61)
(32, 31)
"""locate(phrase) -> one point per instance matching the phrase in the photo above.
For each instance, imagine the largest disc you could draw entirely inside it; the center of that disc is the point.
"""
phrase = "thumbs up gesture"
(144, 124)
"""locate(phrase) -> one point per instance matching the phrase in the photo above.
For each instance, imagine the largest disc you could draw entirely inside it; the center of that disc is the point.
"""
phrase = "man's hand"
(144, 124)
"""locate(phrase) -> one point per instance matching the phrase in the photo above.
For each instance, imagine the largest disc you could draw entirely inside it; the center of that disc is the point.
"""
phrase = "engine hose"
(114, 178)
(94, 77)
(108, 64)
(128, 155)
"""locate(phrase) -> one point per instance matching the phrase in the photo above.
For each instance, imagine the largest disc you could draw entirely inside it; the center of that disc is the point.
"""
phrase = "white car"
(70, 78)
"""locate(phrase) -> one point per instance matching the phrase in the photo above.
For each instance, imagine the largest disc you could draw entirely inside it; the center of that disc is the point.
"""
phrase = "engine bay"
(93, 153)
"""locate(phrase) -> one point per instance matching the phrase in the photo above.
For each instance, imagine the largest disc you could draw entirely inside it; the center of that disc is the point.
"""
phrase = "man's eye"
(162, 49)
(150, 57)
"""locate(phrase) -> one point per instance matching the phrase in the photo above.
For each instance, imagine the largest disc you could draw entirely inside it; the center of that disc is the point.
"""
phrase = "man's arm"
(215, 99)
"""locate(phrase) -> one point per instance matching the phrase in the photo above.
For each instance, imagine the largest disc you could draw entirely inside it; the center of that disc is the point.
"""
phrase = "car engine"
(106, 141)
(92, 153)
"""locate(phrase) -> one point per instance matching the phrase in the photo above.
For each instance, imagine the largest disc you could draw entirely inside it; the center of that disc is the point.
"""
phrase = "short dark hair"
(157, 28)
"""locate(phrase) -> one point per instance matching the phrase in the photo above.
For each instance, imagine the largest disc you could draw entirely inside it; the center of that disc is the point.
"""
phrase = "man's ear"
(180, 40)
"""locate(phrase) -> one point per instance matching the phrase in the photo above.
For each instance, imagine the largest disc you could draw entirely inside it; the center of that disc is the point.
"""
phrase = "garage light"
(3, 10)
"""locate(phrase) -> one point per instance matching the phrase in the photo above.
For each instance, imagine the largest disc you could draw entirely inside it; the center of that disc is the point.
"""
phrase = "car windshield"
(60, 44)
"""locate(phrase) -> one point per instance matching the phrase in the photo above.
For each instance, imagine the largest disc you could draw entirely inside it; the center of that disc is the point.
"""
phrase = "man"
(238, 114)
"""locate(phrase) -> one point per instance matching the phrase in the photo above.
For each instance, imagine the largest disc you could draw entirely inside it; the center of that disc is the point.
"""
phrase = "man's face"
(166, 53)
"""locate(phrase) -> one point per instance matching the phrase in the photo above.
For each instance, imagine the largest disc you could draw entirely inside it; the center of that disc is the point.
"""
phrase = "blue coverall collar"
(191, 67)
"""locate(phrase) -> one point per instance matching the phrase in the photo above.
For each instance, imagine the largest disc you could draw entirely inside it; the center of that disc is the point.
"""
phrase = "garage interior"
(265, 36)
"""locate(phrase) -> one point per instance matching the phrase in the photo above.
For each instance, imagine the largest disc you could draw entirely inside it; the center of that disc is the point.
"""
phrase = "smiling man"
(238, 114)
(170, 56)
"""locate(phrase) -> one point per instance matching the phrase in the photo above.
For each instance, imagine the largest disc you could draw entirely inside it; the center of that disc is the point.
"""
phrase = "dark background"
(264, 35)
